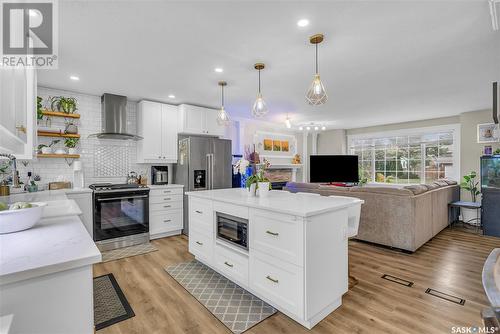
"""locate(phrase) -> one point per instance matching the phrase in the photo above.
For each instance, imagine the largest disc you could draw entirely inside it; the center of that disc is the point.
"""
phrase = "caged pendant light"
(222, 115)
(316, 94)
(259, 107)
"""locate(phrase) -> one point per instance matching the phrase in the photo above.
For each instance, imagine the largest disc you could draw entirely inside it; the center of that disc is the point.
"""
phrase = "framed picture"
(268, 144)
(486, 133)
(275, 145)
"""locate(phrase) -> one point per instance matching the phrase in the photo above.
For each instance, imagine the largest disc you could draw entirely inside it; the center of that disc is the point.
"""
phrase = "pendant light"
(288, 122)
(316, 94)
(222, 115)
(259, 107)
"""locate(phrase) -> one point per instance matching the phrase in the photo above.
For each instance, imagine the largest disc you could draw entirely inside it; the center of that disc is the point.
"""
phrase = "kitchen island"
(288, 249)
(46, 272)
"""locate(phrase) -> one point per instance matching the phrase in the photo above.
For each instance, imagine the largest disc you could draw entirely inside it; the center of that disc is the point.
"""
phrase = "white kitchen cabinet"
(165, 211)
(199, 120)
(84, 201)
(157, 124)
(18, 107)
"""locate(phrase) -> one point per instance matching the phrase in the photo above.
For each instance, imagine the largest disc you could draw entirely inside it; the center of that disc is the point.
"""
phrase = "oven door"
(119, 214)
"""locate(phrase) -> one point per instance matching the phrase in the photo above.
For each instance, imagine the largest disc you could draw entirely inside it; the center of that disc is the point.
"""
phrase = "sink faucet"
(12, 158)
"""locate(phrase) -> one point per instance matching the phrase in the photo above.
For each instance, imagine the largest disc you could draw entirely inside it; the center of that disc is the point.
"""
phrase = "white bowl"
(22, 219)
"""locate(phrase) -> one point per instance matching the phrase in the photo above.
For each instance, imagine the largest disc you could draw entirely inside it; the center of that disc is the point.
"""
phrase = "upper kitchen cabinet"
(157, 124)
(199, 120)
(17, 109)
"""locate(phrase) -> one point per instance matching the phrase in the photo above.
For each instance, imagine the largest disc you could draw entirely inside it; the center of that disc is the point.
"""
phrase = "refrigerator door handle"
(209, 172)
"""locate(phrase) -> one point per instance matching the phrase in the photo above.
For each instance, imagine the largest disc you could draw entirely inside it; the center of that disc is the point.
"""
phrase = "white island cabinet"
(296, 254)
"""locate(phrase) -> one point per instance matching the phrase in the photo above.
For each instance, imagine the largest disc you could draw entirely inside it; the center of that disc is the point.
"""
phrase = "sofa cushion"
(449, 182)
(432, 186)
(417, 189)
(441, 183)
(383, 190)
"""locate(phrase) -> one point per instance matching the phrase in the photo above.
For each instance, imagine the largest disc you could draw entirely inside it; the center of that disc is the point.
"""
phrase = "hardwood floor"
(451, 263)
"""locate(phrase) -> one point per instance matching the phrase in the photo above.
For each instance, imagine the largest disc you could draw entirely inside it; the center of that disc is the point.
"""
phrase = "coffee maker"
(159, 174)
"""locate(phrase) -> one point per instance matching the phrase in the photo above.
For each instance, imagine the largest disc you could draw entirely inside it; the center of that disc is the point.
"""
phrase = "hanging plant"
(39, 113)
(63, 104)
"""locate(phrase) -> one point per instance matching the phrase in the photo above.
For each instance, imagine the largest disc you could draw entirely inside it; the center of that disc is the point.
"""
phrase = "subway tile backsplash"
(102, 160)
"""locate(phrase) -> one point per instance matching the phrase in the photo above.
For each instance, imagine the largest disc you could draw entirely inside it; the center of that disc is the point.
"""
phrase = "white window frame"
(454, 128)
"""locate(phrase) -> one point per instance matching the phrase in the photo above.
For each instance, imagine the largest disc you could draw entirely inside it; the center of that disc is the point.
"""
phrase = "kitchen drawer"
(165, 198)
(201, 245)
(166, 191)
(165, 221)
(278, 235)
(277, 281)
(231, 209)
(201, 215)
(231, 264)
(169, 205)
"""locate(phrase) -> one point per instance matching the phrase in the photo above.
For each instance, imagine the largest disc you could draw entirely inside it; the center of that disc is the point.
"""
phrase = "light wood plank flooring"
(451, 263)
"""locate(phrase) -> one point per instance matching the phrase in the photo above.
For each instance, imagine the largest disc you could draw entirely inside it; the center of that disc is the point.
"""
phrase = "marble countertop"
(54, 244)
(161, 186)
(304, 205)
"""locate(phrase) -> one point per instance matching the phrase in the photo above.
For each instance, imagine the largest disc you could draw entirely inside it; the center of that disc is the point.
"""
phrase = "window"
(408, 156)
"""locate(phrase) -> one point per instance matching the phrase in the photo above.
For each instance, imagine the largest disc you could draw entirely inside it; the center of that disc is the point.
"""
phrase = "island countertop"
(303, 205)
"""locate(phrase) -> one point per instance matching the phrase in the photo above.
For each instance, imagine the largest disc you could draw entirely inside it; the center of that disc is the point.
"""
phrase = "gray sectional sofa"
(403, 217)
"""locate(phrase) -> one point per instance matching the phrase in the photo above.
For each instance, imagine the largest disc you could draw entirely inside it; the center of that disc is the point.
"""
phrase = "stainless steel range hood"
(114, 118)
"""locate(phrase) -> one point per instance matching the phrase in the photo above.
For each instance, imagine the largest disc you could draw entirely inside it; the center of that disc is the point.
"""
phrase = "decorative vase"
(46, 150)
(252, 190)
(71, 128)
(471, 216)
(263, 189)
(72, 150)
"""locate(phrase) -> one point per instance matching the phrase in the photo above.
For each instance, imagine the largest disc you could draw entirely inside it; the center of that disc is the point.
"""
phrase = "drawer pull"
(167, 206)
(272, 233)
(199, 243)
(167, 220)
(167, 199)
(167, 192)
(272, 279)
(198, 211)
(228, 264)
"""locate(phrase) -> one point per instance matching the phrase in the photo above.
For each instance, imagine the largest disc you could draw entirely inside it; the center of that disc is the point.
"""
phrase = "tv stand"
(341, 184)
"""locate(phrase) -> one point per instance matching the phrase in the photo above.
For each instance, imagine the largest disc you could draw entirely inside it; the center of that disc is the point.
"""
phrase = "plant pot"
(60, 151)
(72, 150)
(71, 129)
(263, 189)
(252, 190)
(470, 216)
(46, 150)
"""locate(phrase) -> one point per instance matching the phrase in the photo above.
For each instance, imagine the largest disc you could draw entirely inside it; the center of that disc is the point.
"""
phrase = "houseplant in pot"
(47, 149)
(71, 143)
(63, 104)
(470, 185)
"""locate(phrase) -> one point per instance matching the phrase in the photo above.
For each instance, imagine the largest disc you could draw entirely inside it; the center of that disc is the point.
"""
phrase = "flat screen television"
(333, 168)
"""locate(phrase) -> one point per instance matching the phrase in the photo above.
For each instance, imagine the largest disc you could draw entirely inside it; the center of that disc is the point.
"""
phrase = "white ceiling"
(381, 61)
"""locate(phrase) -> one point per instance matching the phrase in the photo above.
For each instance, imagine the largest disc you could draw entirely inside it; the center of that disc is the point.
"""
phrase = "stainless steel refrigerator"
(204, 163)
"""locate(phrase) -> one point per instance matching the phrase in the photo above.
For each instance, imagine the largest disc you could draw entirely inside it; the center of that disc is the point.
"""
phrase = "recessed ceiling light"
(303, 23)
(74, 78)
(33, 12)
(171, 96)
(219, 70)
(323, 128)
(301, 128)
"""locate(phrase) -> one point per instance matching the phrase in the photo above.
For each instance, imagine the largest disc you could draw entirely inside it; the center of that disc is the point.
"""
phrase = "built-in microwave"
(233, 230)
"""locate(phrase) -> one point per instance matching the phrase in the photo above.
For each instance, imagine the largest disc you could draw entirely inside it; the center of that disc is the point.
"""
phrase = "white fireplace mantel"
(293, 167)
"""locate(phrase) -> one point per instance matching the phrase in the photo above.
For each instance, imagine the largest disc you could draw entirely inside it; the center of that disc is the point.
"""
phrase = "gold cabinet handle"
(167, 206)
(167, 199)
(167, 192)
(21, 128)
(199, 243)
(272, 279)
(272, 233)
(200, 212)
(167, 220)
(228, 264)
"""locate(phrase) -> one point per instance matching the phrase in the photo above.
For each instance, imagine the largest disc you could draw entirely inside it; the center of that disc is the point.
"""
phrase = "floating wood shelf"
(52, 113)
(57, 134)
(65, 156)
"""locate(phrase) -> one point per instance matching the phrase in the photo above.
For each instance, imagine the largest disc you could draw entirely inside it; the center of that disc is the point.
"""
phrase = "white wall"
(89, 107)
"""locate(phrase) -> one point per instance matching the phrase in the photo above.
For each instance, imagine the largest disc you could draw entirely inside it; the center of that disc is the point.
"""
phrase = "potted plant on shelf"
(471, 185)
(39, 113)
(71, 143)
(63, 104)
(47, 149)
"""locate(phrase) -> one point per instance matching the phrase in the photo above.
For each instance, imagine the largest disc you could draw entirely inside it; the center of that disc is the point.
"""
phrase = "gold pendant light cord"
(316, 58)
(222, 95)
(259, 81)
